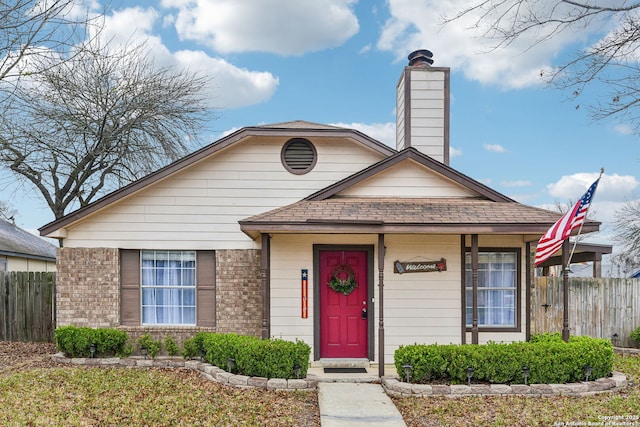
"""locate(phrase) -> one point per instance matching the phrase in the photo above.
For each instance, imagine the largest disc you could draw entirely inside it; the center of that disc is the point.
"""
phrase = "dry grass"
(40, 393)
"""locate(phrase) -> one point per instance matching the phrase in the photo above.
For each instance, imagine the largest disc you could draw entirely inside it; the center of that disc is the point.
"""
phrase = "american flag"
(561, 230)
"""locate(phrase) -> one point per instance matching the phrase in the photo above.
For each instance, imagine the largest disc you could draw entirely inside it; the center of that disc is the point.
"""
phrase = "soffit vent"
(299, 156)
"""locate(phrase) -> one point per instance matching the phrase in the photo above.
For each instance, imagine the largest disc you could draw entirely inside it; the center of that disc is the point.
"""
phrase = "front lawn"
(82, 396)
(621, 408)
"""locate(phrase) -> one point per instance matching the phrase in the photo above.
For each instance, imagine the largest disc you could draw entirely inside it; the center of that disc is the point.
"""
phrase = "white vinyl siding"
(199, 208)
(407, 179)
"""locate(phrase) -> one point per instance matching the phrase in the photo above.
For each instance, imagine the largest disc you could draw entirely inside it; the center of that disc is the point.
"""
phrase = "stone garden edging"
(208, 371)
(616, 382)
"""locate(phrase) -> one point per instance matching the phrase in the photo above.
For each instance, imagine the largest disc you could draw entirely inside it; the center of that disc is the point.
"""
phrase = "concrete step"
(341, 363)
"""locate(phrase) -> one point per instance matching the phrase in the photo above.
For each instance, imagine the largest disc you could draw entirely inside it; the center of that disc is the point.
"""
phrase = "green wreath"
(344, 286)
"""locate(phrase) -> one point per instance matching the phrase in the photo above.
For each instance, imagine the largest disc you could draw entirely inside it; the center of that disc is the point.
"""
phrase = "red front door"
(343, 318)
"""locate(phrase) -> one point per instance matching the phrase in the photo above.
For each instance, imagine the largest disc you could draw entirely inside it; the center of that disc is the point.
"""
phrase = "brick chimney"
(422, 107)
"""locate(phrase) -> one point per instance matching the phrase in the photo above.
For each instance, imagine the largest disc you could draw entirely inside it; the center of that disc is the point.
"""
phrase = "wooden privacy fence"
(27, 306)
(601, 308)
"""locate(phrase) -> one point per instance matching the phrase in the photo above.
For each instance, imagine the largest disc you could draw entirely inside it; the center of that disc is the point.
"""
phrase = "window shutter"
(206, 288)
(130, 287)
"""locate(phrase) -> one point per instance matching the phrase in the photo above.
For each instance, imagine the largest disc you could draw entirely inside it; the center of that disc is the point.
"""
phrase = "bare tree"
(612, 60)
(102, 118)
(35, 28)
(627, 227)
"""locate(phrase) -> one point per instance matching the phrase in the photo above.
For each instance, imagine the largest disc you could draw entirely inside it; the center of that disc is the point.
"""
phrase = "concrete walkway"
(356, 404)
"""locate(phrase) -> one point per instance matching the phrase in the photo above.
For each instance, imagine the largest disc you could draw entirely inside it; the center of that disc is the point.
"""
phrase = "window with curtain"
(168, 287)
(497, 289)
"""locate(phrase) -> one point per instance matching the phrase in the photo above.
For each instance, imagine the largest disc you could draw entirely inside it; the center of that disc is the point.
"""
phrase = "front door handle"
(364, 313)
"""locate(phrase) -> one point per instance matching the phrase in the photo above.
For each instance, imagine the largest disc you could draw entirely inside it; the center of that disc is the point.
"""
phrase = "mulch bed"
(15, 356)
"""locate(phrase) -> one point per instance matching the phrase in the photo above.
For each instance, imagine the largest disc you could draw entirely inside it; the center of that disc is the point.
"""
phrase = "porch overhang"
(402, 216)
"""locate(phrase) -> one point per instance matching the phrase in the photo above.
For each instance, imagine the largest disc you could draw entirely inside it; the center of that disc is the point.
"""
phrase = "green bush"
(76, 341)
(273, 358)
(635, 335)
(152, 346)
(171, 346)
(548, 357)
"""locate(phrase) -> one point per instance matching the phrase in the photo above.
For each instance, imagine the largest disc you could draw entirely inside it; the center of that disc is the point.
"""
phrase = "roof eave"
(254, 228)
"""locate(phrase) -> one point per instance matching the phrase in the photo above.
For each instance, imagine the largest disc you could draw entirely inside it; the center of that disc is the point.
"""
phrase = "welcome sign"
(419, 266)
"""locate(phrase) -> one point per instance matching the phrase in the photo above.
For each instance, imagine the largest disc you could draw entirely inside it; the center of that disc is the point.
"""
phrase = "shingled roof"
(404, 215)
(14, 241)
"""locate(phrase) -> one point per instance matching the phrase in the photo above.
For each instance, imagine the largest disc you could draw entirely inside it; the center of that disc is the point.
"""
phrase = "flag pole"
(575, 243)
(566, 261)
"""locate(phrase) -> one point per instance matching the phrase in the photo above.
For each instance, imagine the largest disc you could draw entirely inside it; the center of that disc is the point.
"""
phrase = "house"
(307, 231)
(23, 251)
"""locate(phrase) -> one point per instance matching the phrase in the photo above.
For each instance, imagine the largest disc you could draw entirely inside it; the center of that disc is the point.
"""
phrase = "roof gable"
(462, 184)
(298, 129)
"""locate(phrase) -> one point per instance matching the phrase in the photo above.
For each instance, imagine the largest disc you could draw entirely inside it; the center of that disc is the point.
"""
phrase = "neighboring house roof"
(298, 128)
(17, 242)
(326, 210)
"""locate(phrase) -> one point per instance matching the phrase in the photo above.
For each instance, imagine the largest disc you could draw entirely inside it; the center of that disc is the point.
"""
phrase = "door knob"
(364, 313)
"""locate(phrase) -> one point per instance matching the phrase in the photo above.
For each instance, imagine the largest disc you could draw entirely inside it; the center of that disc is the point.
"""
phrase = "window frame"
(193, 288)
(517, 327)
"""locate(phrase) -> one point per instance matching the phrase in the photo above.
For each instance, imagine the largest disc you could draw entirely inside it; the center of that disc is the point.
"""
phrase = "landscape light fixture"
(587, 372)
(297, 370)
(407, 372)
(615, 339)
(92, 350)
(469, 375)
(231, 364)
(525, 374)
(143, 351)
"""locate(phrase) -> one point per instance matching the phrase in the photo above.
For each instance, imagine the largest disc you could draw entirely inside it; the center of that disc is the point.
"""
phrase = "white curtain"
(168, 287)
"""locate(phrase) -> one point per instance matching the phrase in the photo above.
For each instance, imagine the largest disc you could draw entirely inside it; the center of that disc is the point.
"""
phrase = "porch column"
(565, 289)
(527, 297)
(381, 251)
(266, 285)
(474, 289)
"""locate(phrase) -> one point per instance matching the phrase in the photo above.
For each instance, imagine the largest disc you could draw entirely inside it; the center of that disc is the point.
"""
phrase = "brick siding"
(239, 291)
(87, 287)
(88, 293)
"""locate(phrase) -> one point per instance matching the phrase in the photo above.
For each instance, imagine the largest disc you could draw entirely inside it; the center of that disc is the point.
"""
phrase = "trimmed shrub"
(635, 335)
(152, 346)
(171, 346)
(548, 357)
(256, 357)
(76, 341)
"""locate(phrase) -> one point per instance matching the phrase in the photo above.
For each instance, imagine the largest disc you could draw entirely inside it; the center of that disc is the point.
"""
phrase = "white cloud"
(520, 183)
(496, 148)
(284, 27)
(454, 152)
(463, 45)
(231, 86)
(383, 132)
(612, 188)
(623, 129)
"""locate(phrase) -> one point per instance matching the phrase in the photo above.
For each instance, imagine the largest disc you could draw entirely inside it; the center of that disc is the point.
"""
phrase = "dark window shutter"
(206, 288)
(130, 287)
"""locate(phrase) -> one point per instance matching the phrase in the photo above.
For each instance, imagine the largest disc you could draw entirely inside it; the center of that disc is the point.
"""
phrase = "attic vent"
(299, 156)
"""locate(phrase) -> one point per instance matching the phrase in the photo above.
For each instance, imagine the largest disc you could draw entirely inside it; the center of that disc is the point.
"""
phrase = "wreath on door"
(343, 279)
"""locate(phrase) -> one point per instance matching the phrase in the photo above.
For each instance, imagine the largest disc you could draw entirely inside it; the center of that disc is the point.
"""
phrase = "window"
(168, 280)
(497, 289)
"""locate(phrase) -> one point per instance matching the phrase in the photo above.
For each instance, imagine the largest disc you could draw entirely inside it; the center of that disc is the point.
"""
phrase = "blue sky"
(338, 62)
